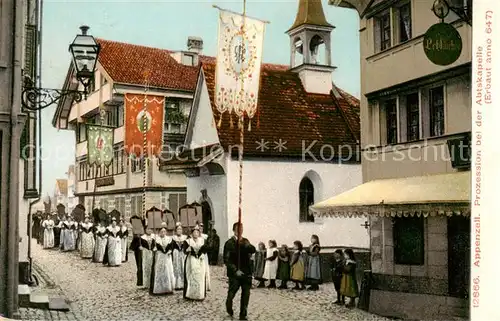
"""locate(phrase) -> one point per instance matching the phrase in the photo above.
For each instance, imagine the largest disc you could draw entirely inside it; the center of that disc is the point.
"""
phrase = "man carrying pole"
(238, 74)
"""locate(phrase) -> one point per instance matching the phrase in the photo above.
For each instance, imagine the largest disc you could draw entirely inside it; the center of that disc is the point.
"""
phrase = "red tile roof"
(288, 113)
(128, 64)
(286, 110)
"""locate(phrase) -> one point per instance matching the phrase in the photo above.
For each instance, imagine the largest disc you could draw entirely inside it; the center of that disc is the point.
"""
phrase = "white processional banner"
(239, 57)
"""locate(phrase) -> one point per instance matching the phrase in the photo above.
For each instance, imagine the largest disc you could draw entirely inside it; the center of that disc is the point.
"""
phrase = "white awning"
(443, 194)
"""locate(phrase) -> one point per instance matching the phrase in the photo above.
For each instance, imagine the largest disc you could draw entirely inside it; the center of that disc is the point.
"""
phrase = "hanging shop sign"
(105, 181)
(442, 44)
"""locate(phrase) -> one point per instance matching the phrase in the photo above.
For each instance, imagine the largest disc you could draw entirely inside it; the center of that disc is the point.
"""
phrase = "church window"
(306, 199)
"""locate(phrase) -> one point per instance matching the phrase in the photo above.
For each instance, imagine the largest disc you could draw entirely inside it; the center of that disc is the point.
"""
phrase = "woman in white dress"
(113, 256)
(124, 240)
(48, 233)
(68, 235)
(87, 241)
(207, 269)
(100, 243)
(195, 275)
(147, 246)
(178, 256)
(271, 267)
(162, 276)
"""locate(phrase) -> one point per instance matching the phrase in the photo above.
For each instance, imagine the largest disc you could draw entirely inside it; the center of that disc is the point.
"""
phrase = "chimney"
(195, 44)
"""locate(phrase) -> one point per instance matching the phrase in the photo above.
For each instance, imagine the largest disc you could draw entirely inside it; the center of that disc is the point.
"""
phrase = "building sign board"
(442, 44)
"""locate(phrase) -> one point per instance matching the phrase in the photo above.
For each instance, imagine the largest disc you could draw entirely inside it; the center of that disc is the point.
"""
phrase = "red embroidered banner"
(143, 112)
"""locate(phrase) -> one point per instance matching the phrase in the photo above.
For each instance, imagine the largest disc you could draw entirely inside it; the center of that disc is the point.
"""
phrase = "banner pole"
(240, 149)
(144, 150)
(98, 163)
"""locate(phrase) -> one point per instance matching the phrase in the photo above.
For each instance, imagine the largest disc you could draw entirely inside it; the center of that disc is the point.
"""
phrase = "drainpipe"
(39, 16)
(13, 167)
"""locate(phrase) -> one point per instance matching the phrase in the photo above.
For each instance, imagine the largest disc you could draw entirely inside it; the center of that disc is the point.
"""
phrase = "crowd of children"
(303, 267)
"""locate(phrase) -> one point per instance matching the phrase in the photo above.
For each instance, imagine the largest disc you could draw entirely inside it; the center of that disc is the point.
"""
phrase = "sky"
(167, 24)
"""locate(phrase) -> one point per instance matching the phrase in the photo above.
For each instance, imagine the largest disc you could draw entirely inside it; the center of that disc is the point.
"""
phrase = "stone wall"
(410, 291)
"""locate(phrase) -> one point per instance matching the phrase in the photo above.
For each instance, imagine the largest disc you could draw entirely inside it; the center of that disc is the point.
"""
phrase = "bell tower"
(310, 47)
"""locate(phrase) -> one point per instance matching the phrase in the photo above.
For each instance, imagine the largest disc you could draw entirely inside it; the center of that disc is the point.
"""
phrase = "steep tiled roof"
(62, 186)
(290, 114)
(128, 64)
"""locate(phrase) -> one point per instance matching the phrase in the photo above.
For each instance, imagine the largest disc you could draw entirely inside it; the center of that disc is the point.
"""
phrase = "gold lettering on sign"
(440, 44)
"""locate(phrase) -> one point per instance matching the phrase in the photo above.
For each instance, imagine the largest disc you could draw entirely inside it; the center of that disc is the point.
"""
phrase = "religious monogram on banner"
(138, 119)
(239, 58)
(100, 144)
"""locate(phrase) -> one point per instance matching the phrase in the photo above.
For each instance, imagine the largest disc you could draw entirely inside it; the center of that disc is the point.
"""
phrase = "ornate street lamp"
(442, 8)
(85, 51)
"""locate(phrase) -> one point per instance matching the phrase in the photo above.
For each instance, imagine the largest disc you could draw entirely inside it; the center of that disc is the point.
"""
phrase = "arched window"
(306, 195)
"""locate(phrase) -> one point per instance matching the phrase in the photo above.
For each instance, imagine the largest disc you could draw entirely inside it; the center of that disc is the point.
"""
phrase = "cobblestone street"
(97, 292)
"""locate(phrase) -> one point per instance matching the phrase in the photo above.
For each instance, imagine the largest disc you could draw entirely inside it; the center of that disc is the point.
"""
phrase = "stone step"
(23, 292)
(39, 301)
(58, 304)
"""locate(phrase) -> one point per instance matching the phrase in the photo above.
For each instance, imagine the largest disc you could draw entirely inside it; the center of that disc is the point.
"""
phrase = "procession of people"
(180, 262)
(165, 263)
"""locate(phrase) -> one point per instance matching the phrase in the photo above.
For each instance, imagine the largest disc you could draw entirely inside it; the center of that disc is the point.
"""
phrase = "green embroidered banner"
(100, 144)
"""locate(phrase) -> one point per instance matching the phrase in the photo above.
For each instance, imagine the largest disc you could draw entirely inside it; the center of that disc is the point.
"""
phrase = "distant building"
(72, 200)
(61, 193)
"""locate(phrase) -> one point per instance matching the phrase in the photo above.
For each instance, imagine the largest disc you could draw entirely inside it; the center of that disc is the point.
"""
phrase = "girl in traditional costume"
(124, 240)
(283, 266)
(76, 233)
(57, 231)
(349, 284)
(313, 270)
(178, 256)
(207, 268)
(147, 246)
(87, 242)
(259, 264)
(162, 276)
(195, 274)
(48, 233)
(135, 246)
(271, 267)
(68, 235)
(298, 263)
(113, 256)
(100, 243)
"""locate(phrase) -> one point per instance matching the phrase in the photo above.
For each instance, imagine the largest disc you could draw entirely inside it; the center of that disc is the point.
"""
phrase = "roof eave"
(64, 101)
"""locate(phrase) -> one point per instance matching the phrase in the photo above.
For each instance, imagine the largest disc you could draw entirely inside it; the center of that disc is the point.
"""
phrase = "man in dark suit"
(237, 253)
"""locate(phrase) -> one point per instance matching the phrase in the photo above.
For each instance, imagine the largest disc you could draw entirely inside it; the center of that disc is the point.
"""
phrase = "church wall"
(271, 202)
(216, 186)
